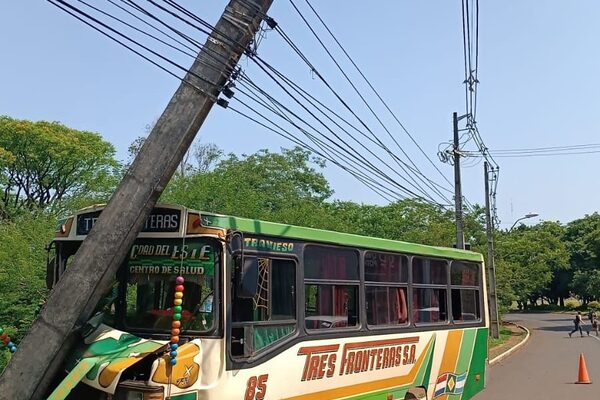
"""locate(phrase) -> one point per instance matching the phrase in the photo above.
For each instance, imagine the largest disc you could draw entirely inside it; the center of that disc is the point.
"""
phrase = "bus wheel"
(417, 393)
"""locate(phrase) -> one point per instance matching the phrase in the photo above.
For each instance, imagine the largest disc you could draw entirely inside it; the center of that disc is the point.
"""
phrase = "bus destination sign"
(159, 220)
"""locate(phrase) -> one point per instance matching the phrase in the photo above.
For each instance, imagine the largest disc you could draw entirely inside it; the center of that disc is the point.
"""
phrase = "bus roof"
(320, 235)
(259, 227)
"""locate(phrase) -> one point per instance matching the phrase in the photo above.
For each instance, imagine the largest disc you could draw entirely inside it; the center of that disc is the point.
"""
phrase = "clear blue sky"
(538, 72)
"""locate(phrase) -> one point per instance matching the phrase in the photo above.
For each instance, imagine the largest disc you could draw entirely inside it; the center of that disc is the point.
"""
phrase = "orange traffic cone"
(583, 374)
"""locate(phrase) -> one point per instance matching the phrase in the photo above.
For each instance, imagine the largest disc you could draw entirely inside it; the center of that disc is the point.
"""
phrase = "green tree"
(43, 163)
(408, 220)
(22, 271)
(583, 240)
(531, 256)
(283, 187)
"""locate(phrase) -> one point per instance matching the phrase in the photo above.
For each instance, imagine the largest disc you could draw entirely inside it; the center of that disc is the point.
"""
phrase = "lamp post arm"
(513, 225)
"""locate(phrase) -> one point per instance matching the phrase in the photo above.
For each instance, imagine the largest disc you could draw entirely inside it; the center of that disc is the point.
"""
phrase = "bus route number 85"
(257, 387)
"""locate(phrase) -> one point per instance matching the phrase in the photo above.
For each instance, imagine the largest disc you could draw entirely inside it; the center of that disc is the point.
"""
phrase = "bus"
(275, 311)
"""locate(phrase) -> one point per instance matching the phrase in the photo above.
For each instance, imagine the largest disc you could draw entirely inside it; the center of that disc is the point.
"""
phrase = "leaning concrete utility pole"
(33, 367)
(492, 297)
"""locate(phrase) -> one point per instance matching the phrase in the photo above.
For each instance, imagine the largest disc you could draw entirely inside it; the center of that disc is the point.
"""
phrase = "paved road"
(546, 367)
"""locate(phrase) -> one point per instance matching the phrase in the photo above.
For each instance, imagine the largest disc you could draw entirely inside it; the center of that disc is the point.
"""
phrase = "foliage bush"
(547, 307)
(571, 305)
(594, 305)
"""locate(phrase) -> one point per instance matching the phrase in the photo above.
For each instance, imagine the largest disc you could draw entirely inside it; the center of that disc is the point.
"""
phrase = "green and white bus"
(274, 311)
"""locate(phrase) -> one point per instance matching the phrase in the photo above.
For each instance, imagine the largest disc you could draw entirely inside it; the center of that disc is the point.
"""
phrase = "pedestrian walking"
(593, 323)
(577, 321)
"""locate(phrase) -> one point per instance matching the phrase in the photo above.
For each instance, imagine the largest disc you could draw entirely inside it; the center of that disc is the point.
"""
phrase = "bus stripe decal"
(466, 351)
(453, 345)
(477, 367)
(427, 376)
(363, 388)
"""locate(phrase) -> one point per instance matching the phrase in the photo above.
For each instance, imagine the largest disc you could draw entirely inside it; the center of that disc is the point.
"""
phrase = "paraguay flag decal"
(449, 383)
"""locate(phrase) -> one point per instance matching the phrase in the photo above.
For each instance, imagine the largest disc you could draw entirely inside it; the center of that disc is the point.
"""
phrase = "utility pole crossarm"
(40, 355)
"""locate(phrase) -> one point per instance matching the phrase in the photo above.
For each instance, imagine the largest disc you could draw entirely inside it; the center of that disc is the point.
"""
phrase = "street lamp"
(528, 215)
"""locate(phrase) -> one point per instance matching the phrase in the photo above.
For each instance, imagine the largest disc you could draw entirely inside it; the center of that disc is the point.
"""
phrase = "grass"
(505, 334)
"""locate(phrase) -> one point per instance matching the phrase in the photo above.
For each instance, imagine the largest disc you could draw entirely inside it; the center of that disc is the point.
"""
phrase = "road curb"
(512, 349)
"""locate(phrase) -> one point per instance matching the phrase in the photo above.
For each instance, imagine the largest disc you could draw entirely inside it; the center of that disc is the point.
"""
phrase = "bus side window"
(429, 305)
(270, 315)
(386, 285)
(331, 282)
(465, 294)
(429, 300)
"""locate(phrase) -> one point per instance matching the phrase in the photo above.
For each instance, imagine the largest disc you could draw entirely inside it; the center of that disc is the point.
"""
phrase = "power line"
(360, 95)
(139, 30)
(526, 155)
(401, 164)
(252, 56)
(189, 14)
(73, 11)
(213, 55)
(327, 149)
(351, 154)
(139, 48)
(376, 92)
(308, 98)
(548, 149)
(285, 134)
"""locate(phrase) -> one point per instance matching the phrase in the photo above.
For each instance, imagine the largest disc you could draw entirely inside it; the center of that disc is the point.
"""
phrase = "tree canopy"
(43, 163)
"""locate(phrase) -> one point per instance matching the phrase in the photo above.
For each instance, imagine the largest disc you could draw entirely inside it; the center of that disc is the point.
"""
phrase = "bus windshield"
(150, 273)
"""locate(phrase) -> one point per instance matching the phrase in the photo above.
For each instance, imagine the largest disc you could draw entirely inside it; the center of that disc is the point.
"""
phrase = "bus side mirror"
(246, 268)
(235, 242)
(247, 282)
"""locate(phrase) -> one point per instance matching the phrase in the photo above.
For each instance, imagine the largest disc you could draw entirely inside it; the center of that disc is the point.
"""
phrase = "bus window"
(386, 305)
(430, 279)
(150, 272)
(331, 287)
(464, 274)
(331, 306)
(465, 293)
(465, 305)
(149, 302)
(330, 263)
(429, 305)
(384, 267)
(270, 315)
(429, 271)
(385, 298)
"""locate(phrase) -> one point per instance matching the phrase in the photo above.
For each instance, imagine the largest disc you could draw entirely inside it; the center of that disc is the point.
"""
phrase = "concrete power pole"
(492, 298)
(460, 235)
(41, 353)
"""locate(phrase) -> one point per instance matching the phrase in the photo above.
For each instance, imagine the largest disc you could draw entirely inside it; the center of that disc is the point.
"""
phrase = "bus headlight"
(136, 390)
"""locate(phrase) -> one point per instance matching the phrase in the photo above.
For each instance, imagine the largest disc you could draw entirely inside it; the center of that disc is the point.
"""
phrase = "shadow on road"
(555, 329)
(557, 320)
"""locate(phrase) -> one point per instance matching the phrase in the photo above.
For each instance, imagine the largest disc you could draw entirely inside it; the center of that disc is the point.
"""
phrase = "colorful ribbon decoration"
(176, 324)
(4, 338)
